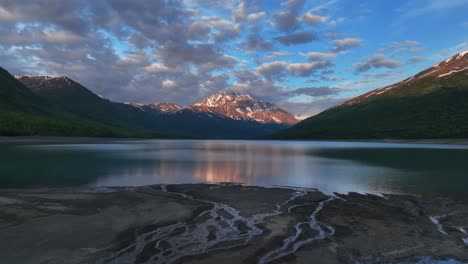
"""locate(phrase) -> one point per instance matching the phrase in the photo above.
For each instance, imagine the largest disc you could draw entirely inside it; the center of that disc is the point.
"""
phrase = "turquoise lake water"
(427, 169)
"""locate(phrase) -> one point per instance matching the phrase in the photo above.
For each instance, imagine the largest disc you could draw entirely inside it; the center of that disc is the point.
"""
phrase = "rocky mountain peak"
(165, 106)
(47, 82)
(243, 107)
(223, 98)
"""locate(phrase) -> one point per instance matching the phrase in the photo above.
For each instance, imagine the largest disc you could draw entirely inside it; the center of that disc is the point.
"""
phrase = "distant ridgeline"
(432, 104)
(429, 105)
(59, 106)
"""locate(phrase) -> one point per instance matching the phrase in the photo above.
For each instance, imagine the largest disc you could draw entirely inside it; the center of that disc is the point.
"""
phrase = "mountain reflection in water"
(328, 166)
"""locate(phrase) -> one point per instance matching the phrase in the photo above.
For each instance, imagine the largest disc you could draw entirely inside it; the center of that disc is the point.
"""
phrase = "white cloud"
(60, 36)
(271, 69)
(313, 19)
(7, 15)
(377, 61)
(314, 56)
(159, 68)
(345, 44)
(169, 84)
(277, 54)
(306, 69)
(256, 16)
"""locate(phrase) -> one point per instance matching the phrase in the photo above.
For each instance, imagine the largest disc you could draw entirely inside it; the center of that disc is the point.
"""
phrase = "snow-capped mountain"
(45, 82)
(165, 107)
(243, 107)
(162, 107)
(228, 105)
(442, 70)
(224, 115)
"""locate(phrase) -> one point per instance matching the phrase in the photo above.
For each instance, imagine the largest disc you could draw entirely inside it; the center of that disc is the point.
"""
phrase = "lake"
(426, 169)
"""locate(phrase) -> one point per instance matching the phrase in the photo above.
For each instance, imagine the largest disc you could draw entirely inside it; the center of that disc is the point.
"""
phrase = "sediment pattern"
(221, 227)
(227, 223)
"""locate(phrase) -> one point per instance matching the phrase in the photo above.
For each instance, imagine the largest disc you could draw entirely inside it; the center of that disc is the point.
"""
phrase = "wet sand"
(227, 223)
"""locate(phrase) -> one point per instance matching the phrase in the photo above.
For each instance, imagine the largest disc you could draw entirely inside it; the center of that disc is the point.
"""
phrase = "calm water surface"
(427, 169)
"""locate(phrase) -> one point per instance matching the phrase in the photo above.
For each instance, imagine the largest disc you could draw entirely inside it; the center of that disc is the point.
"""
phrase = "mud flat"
(202, 223)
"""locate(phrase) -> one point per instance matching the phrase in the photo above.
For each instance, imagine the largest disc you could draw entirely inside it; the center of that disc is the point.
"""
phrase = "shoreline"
(227, 223)
(52, 139)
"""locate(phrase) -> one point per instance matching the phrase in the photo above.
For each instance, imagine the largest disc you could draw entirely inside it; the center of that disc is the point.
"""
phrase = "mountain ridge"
(454, 64)
(23, 113)
(231, 105)
(165, 118)
(226, 104)
(429, 105)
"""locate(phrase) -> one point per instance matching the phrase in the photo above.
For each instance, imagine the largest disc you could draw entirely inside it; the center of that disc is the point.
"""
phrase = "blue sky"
(302, 55)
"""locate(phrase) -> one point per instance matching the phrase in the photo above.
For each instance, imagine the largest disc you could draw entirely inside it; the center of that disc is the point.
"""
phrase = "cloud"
(169, 84)
(240, 13)
(125, 51)
(337, 21)
(306, 69)
(253, 83)
(286, 21)
(276, 54)
(293, 4)
(272, 70)
(340, 45)
(429, 6)
(408, 46)
(327, 71)
(277, 69)
(138, 50)
(443, 54)
(315, 56)
(297, 38)
(61, 36)
(416, 59)
(199, 30)
(322, 6)
(256, 16)
(313, 19)
(311, 106)
(317, 91)
(206, 56)
(255, 42)
(377, 61)
(214, 27)
(332, 78)
(159, 68)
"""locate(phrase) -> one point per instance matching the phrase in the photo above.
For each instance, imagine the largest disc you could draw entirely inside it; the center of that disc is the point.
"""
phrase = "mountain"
(161, 118)
(166, 107)
(14, 96)
(23, 113)
(243, 107)
(160, 108)
(431, 104)
(72, 97)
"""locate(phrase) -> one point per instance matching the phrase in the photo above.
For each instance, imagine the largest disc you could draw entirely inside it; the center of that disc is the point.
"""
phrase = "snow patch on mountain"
(451, 72)
(166, 107)
(462, 54)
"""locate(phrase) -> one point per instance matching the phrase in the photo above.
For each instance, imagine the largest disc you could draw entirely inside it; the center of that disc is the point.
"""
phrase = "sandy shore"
(201, 223)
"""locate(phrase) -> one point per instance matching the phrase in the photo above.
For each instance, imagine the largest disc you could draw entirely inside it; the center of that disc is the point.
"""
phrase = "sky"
(304, 56)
